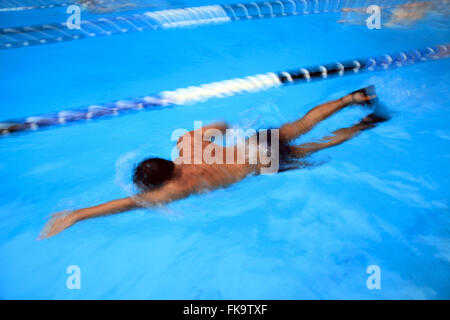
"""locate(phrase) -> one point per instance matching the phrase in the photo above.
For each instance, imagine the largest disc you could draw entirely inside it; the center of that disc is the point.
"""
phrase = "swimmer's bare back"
(188, 179)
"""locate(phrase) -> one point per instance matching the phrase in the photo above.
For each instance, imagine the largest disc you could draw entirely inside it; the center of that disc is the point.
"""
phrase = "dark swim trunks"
(285, 156)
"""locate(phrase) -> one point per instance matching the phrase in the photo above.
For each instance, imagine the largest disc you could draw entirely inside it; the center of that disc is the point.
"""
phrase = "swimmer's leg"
(338, 136)
(292, 130)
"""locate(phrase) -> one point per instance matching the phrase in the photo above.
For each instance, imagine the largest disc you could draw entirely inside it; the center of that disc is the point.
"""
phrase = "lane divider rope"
(23, 36)
(194, 94)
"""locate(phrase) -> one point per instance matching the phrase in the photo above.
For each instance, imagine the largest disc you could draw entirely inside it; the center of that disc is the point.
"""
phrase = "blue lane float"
(226, 88)
(18, 37)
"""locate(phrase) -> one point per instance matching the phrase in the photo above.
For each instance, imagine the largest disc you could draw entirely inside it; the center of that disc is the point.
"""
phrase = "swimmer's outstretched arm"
(65, 219)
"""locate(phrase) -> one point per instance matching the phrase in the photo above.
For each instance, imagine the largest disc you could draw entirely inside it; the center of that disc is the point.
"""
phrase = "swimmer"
(400, 15)
(162, 181)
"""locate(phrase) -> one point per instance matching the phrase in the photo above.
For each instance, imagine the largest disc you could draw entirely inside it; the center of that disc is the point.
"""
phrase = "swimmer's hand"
(58, 222)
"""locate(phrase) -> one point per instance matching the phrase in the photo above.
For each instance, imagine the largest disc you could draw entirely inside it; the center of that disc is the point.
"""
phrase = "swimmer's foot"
(365, 96)
(373, 119)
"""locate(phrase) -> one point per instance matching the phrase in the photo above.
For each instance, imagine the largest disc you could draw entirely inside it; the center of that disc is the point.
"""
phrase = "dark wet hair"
(151, 173)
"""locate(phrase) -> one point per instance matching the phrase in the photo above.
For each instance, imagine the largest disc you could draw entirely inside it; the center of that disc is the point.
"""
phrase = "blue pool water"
(380, 199)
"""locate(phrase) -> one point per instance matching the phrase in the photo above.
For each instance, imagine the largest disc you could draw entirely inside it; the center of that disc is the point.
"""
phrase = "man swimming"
(162, 181)
(404, 14)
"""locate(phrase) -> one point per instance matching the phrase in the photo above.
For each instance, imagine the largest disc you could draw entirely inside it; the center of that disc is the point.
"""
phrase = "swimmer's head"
(152, 173)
